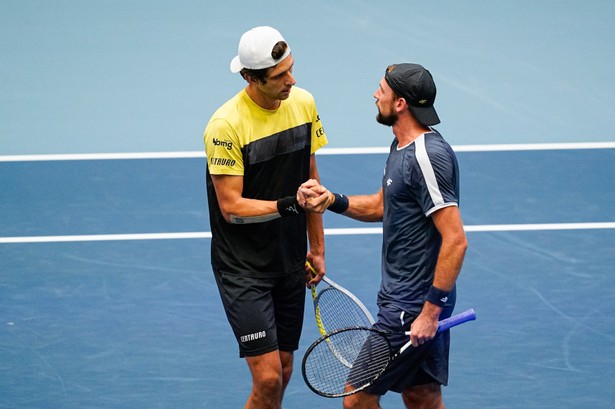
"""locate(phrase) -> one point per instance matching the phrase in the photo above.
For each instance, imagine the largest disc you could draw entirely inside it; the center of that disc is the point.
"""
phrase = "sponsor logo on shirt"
(222, 162)
(227, 144)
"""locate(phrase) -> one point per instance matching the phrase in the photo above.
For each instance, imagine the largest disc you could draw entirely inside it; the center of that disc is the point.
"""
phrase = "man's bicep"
(448, 221)
(228, 191)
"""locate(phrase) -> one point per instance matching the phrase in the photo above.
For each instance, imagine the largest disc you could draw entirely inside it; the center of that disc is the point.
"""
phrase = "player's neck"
(406, 131)
(261, 99)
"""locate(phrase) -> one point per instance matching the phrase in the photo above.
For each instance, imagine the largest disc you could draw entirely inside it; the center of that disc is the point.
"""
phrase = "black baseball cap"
(415, 84)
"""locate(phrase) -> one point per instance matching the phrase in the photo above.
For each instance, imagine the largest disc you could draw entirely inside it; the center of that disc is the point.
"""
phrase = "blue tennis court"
(96, 313)
(107, 299)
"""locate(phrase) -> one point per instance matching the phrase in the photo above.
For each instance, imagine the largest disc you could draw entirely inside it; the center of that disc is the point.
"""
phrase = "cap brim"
(426, 116)
(236, 65)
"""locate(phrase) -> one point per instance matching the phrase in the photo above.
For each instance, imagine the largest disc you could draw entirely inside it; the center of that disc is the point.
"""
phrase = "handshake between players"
(314, 197)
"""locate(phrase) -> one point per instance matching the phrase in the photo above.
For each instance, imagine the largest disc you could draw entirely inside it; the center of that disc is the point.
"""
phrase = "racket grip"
(468, 315)
(312, 270)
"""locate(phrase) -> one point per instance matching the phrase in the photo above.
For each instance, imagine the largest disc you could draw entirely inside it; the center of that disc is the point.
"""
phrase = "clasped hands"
(314, 197)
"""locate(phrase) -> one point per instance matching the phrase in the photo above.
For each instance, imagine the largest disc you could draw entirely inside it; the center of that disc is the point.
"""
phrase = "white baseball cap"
(255, 49)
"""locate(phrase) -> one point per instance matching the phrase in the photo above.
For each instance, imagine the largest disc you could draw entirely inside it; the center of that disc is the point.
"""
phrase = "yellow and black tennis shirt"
(271, 150)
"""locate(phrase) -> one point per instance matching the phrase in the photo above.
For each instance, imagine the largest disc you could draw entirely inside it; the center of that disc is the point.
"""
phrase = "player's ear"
(401, 104)
(251, 79)
(246, 77)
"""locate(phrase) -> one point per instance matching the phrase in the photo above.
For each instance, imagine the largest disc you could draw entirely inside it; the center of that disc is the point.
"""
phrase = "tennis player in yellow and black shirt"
(260, 148)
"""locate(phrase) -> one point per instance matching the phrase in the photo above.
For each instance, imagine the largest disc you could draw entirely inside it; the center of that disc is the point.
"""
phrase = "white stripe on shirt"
(428, 172)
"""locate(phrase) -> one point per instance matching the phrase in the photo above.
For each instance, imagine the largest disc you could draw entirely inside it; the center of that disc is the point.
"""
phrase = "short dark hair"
(261, 75)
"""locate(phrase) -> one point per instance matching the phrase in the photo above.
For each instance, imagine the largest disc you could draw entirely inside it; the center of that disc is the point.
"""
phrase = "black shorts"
(424, 364)
(265, 313)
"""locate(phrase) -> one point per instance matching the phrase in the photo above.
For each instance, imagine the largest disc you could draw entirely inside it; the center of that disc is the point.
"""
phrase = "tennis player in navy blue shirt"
(424, 242)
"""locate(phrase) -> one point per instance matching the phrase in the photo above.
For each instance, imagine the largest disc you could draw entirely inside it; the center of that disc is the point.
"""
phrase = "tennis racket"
(369, 352)
(335, 307)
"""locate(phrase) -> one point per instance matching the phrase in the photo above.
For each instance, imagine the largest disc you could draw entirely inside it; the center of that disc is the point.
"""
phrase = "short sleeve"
(222, 149)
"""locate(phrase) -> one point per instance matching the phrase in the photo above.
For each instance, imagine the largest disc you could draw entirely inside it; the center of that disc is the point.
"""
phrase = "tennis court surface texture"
(107, 299)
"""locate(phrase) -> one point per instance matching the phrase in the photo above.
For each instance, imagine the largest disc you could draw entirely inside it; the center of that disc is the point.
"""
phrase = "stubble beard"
(388, 120)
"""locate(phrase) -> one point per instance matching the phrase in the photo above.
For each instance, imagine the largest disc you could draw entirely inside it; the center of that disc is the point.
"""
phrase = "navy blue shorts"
(265, 313)
(424, 364)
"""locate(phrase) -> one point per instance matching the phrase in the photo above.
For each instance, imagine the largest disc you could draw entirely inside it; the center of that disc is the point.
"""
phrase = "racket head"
(338, 309)
(367, 353)
(335, 307)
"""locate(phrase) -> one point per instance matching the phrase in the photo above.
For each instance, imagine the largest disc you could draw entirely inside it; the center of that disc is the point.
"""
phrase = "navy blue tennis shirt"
(418, 180)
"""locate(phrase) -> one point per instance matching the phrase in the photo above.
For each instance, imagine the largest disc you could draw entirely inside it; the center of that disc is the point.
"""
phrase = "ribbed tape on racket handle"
(456, 319)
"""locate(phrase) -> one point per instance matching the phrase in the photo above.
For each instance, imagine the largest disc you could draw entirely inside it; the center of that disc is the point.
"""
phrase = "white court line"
(490, 228)
(102, 156)
(106, 237)
(534, 146)
(328, 232)
(324, 151)
(482, 148)
(540, 227)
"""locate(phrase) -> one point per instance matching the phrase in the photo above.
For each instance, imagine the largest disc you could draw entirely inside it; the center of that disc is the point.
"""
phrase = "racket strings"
(338, 310)
(365, 355)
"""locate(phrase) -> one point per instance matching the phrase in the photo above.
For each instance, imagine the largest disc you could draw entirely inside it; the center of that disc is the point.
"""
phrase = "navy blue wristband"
(340, 205)
(437, 296)
(288, 206)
